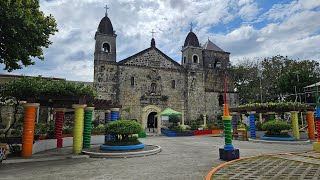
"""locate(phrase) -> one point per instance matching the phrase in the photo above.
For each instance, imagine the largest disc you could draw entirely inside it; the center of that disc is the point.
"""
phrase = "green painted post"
(87, 127)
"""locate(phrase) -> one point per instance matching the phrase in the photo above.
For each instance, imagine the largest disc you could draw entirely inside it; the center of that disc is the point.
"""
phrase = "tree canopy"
(24, 31)
(281, 78)
(30, 87)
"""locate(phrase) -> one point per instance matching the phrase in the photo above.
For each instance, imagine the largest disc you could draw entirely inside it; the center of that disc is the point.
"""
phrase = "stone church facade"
(148, 82)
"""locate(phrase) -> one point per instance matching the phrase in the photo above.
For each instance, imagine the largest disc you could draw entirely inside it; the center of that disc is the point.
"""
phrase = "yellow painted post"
(78, 127)
(295, 124)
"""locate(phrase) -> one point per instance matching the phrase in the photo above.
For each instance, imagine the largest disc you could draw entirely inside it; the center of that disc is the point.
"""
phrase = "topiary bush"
(123, 129)
(275, 127)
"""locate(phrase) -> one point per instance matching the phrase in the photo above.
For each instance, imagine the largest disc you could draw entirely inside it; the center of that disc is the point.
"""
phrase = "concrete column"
(310, 120)
(87, 127)
(204, 119)
(30, 110)
(114, 114)
(78, 127)
(295, 124)
(316, 145)
(58, 125)
(234, 120)
(252, 124)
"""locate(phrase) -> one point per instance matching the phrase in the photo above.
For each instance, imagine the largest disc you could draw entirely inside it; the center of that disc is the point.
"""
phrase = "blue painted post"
(234, 120)
(114, 114)
(252, 124)
(107, 119)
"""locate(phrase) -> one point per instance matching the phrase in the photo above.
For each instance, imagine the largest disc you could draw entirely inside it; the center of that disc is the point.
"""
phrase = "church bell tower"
(105, 48)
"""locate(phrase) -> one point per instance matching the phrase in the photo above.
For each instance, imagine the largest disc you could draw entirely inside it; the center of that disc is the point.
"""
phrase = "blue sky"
(246, 28)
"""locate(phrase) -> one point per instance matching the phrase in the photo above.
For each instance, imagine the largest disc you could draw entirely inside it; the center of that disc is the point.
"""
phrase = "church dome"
(105, 26)
(191, 40)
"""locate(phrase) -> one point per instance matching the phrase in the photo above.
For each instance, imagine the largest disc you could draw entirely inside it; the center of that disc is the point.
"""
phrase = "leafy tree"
(122, 129)
(279, 78)
(24, 31)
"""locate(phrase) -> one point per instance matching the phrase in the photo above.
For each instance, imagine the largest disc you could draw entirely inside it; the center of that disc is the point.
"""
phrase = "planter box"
(202, 132)
(277, 138)
(122, 148)
(175, 134)
(216, 131)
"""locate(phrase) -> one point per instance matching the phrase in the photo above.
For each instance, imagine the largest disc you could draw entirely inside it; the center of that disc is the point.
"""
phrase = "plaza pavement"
(181, 158)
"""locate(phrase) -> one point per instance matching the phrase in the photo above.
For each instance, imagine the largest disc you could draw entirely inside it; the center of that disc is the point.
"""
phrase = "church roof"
(191, 40)
(141, 53)
(105, 26)
(211, 46)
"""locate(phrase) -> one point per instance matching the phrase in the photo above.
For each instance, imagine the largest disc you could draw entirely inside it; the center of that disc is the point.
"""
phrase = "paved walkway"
(181, 158)
(289, 166)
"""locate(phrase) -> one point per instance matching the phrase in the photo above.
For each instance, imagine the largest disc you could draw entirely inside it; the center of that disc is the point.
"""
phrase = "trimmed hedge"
(122, 129)
(275, 127)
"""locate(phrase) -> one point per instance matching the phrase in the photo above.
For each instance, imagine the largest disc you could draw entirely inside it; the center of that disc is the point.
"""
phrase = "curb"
(280, 142)
(124, 154)
(16, 161)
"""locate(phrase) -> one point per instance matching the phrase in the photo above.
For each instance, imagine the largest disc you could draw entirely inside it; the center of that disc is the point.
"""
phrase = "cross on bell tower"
(106, 10)
(152, 33)
(153, 42)
(191, 25)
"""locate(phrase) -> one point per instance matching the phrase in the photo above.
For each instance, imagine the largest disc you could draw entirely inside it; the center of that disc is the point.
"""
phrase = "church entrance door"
(151, 120)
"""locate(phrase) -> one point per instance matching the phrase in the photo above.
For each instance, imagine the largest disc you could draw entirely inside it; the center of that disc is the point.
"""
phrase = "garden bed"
(189, 133)
(277, 138)
(122, 148)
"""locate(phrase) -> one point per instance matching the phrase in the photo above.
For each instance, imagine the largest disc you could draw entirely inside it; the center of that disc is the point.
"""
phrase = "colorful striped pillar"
(252, 124)
(227, 128)
(295, 124)
(30, 110)
(58, 125)
(271, 116)
(107, 119)
(310, 120)
(316, 145)
(234, 120)
(87, 127)
(78, 127)
(114, 114)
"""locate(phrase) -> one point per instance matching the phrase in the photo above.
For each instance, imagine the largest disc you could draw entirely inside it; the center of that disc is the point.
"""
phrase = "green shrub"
(131, 141)
(122, 129)
(66, 129)
(174, 120)
(275, 127)
(243, 126)
(100, 129)
(215, 126)
(259, 126)
(178, 129)
(195, 125)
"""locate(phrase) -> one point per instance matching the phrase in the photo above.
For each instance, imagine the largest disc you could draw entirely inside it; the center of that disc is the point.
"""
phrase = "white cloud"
(289, 29)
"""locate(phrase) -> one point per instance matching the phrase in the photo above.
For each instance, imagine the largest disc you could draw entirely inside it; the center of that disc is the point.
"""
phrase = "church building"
(149, 81)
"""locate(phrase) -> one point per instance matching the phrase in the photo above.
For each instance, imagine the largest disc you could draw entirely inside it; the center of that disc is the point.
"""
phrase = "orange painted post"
(30, 110)
(310, 120)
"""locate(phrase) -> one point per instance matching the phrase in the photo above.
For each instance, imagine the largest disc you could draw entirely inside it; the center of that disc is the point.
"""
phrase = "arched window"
(173, 84)
(195, 58)
(217, 64)
(132, 81)
(221, 101)
(106, 47)
(184, 60)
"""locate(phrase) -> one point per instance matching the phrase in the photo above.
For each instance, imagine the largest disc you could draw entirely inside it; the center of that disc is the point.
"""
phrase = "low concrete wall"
(47, 144)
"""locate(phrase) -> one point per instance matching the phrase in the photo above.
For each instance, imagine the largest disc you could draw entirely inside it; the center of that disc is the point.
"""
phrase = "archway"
(151, 119)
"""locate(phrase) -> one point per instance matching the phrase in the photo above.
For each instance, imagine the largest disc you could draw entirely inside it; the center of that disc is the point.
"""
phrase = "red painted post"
(58, 126)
